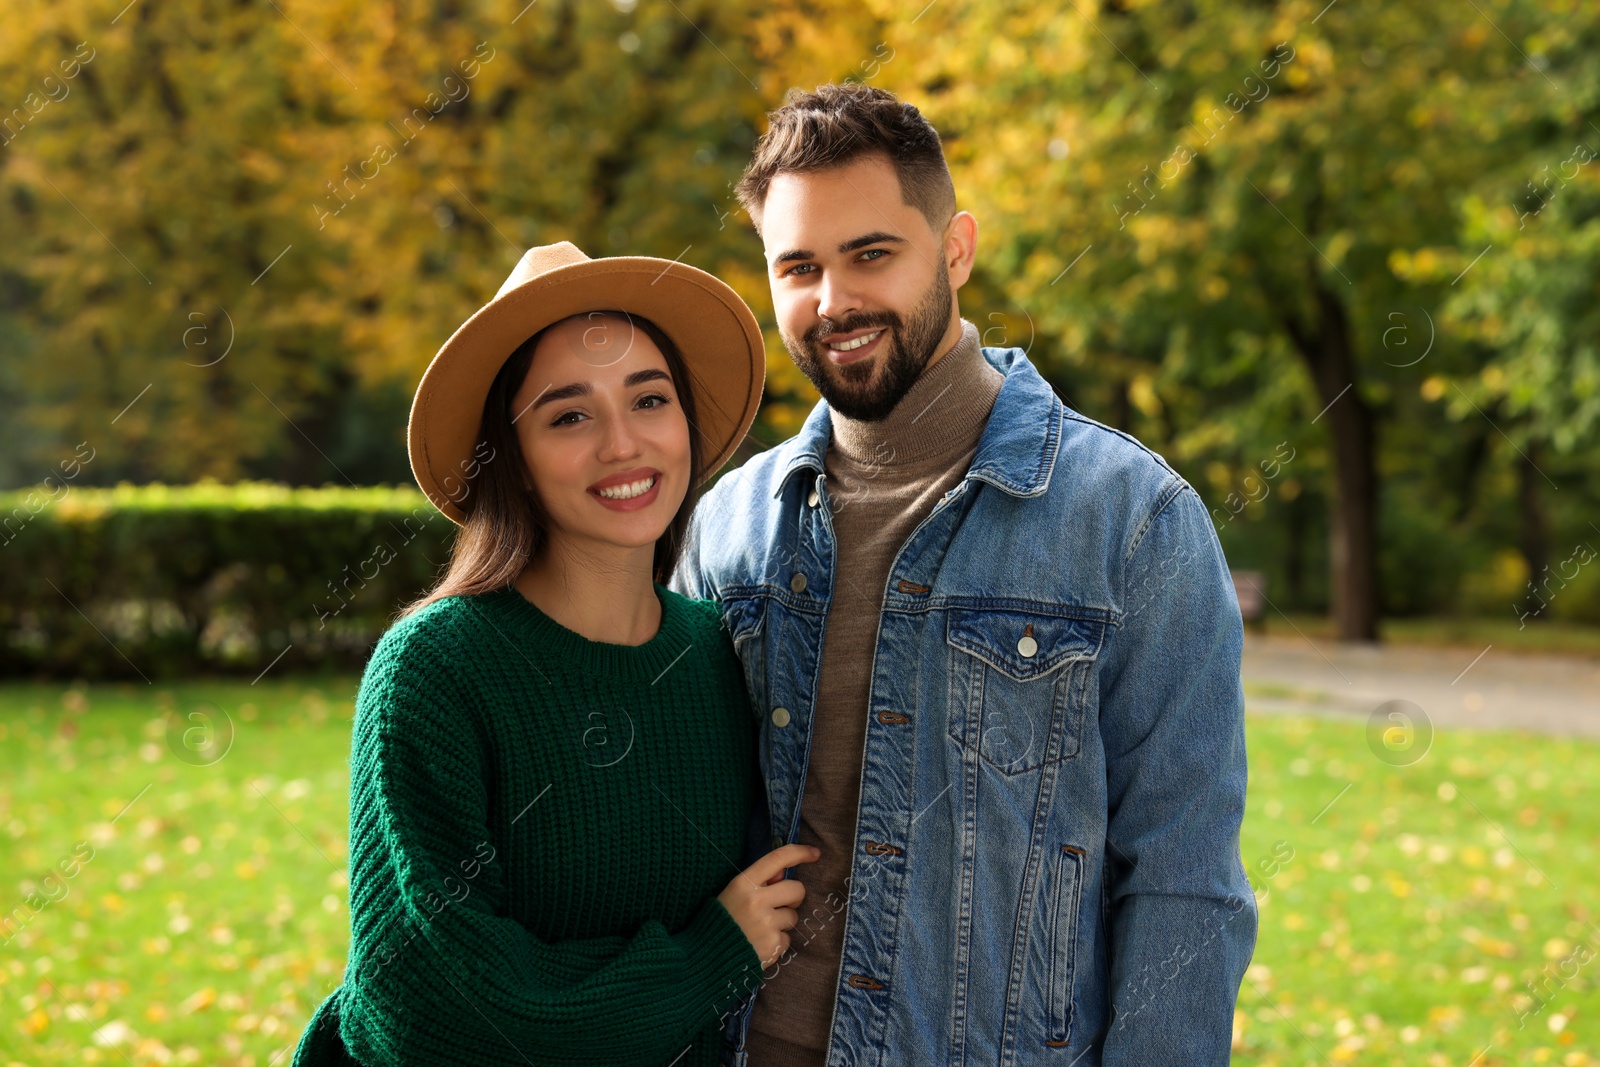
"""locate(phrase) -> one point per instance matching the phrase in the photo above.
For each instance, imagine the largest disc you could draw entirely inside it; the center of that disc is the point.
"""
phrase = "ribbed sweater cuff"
(732, 969)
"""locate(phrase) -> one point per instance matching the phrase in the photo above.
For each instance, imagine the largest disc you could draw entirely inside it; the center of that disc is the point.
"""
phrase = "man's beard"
(859, 390)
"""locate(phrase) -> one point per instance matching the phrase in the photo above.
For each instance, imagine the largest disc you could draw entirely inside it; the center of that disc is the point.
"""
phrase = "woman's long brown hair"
(506, 523)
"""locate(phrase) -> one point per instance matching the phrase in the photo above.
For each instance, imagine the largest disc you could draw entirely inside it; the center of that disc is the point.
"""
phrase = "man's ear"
(960, 247)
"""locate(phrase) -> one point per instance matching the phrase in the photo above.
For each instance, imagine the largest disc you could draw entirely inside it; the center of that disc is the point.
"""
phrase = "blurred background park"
(1338, 262)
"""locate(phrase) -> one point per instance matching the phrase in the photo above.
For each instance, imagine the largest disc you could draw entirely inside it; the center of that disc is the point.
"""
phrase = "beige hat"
(713, 328)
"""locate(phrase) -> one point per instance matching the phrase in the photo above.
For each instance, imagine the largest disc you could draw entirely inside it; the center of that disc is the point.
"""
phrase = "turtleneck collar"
(942, 414)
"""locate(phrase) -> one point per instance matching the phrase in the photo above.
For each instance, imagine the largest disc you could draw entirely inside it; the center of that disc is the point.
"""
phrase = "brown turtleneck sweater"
(883, 479)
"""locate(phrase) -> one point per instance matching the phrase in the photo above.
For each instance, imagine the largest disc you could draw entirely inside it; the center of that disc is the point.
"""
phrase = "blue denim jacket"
(1047, 865)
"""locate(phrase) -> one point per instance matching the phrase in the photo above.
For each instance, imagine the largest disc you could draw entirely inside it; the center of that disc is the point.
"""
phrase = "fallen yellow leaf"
(199, 1001)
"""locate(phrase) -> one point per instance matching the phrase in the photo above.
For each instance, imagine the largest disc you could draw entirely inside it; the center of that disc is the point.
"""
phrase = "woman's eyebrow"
(567, 392)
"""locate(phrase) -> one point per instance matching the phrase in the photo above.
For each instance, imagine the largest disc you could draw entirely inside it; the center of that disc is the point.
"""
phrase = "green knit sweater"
(539, 827)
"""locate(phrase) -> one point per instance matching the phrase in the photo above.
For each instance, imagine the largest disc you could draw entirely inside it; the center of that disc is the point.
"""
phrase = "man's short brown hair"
(838, 124)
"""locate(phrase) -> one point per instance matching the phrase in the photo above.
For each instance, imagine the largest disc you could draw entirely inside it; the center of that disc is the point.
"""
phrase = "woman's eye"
(570, 418)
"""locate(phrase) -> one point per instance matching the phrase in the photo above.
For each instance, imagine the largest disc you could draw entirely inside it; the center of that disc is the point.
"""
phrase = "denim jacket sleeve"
(1181, 917)
(687, 579)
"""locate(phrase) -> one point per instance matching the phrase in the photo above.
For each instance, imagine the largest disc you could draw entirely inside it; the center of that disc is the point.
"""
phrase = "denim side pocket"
(1065, 904)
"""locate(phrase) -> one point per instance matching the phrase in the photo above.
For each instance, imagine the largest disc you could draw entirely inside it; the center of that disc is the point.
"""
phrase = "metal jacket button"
(797, 583)
(1027, 646)
(811, 498)
(780, 716)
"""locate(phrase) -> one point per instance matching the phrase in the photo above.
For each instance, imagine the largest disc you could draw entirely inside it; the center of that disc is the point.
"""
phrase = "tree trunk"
(1534, 532)
(1353, 526)
(1294, 561)
(1121, 405)
(1472, 460)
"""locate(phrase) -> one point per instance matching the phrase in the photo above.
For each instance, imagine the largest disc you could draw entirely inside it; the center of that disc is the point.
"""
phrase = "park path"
(1547, 693)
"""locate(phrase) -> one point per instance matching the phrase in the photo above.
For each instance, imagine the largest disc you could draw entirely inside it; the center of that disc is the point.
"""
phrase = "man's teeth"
(850, 346)
(629, 490)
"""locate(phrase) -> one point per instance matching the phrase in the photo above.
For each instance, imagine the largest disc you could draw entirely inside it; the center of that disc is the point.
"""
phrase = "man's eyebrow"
(567, 392)
(875, 238)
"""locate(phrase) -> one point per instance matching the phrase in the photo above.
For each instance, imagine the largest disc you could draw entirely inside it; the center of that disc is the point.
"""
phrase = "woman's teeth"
(850, 346)
(629, 490)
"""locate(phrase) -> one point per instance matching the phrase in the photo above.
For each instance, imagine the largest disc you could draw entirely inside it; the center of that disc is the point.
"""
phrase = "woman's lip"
(635, 475)
(633, 503)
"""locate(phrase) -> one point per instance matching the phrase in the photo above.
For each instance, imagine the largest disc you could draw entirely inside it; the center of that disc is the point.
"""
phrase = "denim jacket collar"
(1016, 452)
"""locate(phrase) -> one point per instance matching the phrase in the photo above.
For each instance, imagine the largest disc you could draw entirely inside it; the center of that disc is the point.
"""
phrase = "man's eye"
(874, 252)
(797, 269)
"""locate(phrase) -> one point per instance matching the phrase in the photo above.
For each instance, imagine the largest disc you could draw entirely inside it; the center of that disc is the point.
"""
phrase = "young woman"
(553, 763)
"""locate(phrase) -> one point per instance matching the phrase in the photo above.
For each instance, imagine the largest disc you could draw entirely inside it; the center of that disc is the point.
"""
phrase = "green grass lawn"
(197, 914)
(1505, 632)
(211, 918)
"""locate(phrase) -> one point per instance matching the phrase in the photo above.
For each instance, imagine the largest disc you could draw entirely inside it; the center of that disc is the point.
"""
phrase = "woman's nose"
(620, 440)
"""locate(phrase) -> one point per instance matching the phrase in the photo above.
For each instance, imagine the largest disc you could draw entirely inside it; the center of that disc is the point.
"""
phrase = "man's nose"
(836, 301)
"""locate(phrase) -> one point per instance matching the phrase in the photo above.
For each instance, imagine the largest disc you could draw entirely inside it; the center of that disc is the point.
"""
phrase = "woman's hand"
(763, 902)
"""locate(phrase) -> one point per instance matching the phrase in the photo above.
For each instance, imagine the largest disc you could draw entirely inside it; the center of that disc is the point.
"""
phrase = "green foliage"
(1178, 204)
(274, 215)
(161, 581)
(1228, 224)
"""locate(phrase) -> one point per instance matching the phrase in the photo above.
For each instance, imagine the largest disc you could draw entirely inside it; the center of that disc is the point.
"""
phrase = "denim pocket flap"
(744, 617)
(1023, 644)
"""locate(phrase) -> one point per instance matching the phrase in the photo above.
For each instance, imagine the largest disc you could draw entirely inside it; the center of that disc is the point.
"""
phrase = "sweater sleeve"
(438, 971)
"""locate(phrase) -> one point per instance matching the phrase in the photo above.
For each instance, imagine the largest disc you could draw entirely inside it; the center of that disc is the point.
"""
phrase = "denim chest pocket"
(746, 619)
(1019, 684)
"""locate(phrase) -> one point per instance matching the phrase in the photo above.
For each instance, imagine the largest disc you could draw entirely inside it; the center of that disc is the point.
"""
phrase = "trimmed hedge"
(164, 581)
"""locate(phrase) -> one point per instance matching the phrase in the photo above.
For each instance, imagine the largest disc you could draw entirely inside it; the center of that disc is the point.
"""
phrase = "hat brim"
(711, 324)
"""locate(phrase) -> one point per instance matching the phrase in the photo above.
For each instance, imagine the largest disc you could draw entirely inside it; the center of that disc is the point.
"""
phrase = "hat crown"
(541, 259)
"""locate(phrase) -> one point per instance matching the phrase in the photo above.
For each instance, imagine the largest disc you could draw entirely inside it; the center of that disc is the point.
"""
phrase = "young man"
(994, 649)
